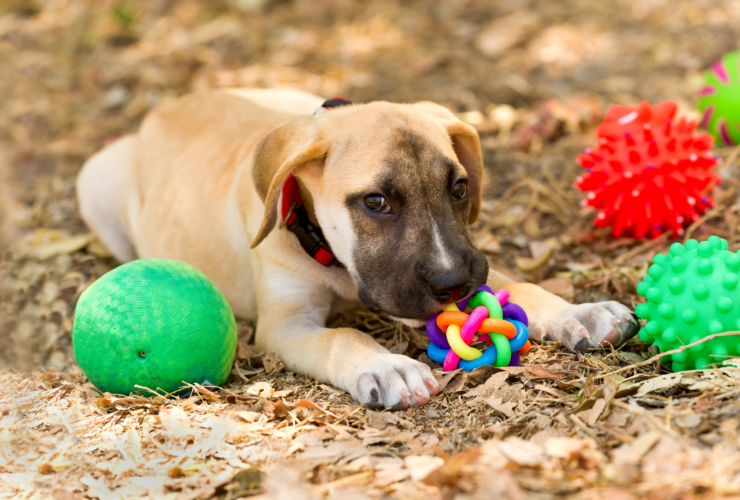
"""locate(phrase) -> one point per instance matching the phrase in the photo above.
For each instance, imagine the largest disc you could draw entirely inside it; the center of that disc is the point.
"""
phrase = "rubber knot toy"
(649, 173)
(485, 316)
(691, 293)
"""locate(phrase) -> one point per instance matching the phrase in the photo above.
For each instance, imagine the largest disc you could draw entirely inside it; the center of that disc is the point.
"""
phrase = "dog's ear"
(278, 155)
(466, 143)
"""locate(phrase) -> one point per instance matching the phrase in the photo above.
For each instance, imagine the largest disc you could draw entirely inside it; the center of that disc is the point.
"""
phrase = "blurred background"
(534, 76)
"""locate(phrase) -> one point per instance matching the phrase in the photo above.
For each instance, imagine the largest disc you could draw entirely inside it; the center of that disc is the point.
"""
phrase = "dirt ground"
(534, 77)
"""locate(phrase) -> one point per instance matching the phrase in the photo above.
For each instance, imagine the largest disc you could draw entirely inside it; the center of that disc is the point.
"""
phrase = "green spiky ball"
(154, 323)
(691, 293)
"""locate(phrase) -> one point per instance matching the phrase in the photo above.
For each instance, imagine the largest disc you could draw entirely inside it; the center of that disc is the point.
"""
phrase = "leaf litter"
(534, 78)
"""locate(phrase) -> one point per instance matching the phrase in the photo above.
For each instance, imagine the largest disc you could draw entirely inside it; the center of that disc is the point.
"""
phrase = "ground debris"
(534, 78)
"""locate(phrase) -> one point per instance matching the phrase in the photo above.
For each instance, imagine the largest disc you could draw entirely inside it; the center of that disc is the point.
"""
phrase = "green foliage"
(125, 15)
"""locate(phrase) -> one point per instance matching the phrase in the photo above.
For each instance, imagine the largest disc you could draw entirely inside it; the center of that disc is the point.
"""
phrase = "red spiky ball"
(650, 173)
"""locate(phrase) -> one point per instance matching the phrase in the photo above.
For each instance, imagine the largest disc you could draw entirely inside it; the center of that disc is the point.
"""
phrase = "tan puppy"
(393, 187)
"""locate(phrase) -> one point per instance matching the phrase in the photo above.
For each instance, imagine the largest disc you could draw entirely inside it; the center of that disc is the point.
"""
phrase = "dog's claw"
(374, 399)
(608, 324)
(582, 346)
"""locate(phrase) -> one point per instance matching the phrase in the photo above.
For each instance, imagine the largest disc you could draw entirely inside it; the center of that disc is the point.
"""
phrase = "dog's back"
(156, 182)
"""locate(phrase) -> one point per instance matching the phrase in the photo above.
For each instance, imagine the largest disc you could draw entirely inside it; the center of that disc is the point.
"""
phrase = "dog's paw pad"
(587, 326)
(393, 381)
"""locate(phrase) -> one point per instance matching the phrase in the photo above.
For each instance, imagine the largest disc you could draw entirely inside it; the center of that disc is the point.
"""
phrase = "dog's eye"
(460, 190)
(377, 203)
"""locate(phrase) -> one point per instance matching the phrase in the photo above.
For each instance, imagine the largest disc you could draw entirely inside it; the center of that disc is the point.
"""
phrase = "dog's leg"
(578, 327)
(292, 315)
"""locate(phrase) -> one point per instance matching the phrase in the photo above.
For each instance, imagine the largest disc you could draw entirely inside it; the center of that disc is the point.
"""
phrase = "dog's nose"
(449, 287)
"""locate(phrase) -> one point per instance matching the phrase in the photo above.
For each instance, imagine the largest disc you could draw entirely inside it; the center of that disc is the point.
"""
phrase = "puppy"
(294, 210)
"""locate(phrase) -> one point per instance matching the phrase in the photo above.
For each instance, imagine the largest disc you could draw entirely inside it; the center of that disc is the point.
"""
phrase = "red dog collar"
(295, 216)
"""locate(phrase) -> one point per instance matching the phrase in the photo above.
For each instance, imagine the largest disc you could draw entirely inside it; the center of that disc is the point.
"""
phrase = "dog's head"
(394, 188)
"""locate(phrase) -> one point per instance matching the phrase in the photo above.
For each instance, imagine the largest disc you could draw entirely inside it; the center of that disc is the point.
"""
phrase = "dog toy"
(691, 293)
(719, 100)
(154, 323)
(649, 173)
(499, 322)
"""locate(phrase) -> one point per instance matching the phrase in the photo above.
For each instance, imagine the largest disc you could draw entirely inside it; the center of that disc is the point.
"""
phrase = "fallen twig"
(709, 215)
(663, 354)
(729, 161)
(639, 249)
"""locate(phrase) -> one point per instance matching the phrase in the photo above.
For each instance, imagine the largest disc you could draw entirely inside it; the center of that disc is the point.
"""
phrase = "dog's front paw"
(587, 326)
(393, 381)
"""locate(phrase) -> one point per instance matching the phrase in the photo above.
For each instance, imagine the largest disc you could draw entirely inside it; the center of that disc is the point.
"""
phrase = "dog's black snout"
(450, 286)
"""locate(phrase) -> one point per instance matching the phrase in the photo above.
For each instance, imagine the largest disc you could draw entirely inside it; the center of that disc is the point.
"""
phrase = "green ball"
(691, 293)
(719, 100)
(154, 323)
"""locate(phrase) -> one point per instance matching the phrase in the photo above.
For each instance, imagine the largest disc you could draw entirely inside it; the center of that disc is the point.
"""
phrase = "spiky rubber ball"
(649, 173)
(692, 292)
(719, 100)
(154, 323)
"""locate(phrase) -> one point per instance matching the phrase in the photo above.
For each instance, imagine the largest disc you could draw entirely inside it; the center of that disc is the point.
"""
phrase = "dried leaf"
(610, 388)
(420, 466)
(376, 420)
(176, 423)
(658, 383)
(46, 468)
(389, 471)
(494, 382)
(643, 444)
(624, 388)
(453, 469)
(445, 379)
(505, 32)
(261, 389)
(528, 264)
(569, 448)
(562, 287)
(539, 372)
(248, 416)
(270, 361)
(592, 416)
(176, 472)
(487, 243)
(497, 404)
(331, 389)
(457, 383)
(336, 452)
(65, 494)
(265, 407)
(245, 351)
(399, 348)
(65, 246)
(305, 403)
(522, 452)
(281, 409)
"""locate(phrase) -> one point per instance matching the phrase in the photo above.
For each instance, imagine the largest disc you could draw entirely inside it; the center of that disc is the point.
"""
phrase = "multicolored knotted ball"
(485, 316)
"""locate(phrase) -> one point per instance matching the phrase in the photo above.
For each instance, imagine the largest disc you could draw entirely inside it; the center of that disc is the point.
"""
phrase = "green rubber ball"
(691, 293)
(154, 323)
